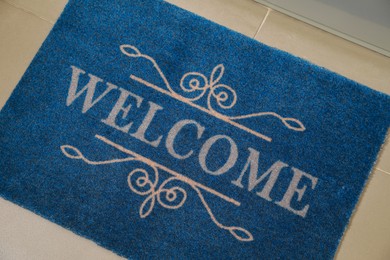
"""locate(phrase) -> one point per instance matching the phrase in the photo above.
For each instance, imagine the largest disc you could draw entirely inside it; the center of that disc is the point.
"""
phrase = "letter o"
(206, 148)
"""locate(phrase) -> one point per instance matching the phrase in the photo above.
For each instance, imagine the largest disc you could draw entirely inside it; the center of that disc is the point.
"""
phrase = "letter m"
(89, 100)
(272, 174)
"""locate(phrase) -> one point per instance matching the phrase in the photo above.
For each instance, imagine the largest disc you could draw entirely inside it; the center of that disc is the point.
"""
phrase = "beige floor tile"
(47, 9)
(384, 157)
(368, 236)
(244, 16)
(21, 36)
(332, 52)
(24, 235)
(327, 50)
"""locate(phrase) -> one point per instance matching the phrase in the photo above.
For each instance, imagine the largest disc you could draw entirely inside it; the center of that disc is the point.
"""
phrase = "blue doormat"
(159, 134)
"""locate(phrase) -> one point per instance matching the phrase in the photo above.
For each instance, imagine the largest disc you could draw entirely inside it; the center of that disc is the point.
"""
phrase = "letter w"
(73, 94)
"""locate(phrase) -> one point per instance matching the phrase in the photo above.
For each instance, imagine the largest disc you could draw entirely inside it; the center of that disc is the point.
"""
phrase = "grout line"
(28, 11)
(383, 171)
(262, 22)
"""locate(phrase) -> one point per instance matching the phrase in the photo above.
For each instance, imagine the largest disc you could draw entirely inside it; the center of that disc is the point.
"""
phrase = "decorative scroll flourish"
(198, 86)
(168, 193)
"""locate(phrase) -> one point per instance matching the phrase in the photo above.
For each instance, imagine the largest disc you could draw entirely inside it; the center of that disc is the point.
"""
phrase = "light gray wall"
(366, 22)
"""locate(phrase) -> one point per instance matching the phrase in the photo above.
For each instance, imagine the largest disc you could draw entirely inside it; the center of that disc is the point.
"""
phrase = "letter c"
(174, 132)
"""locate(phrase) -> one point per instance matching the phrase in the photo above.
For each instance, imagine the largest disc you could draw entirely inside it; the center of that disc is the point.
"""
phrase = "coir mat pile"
(159, 134)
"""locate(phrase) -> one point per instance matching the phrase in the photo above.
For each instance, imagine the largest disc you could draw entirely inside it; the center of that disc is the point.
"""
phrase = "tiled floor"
(24, 24)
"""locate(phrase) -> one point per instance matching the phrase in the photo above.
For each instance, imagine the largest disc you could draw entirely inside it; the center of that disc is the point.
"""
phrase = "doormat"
(159, 134)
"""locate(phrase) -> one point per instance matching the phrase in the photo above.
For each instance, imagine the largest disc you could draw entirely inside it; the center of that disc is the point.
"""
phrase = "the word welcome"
(251, 168)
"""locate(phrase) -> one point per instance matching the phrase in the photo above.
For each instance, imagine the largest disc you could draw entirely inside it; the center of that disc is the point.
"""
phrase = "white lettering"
(174, 132)
(253, 164)
(140, 134)
(293, 188)
(119, 106)
(90, 88)
(206, 148)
